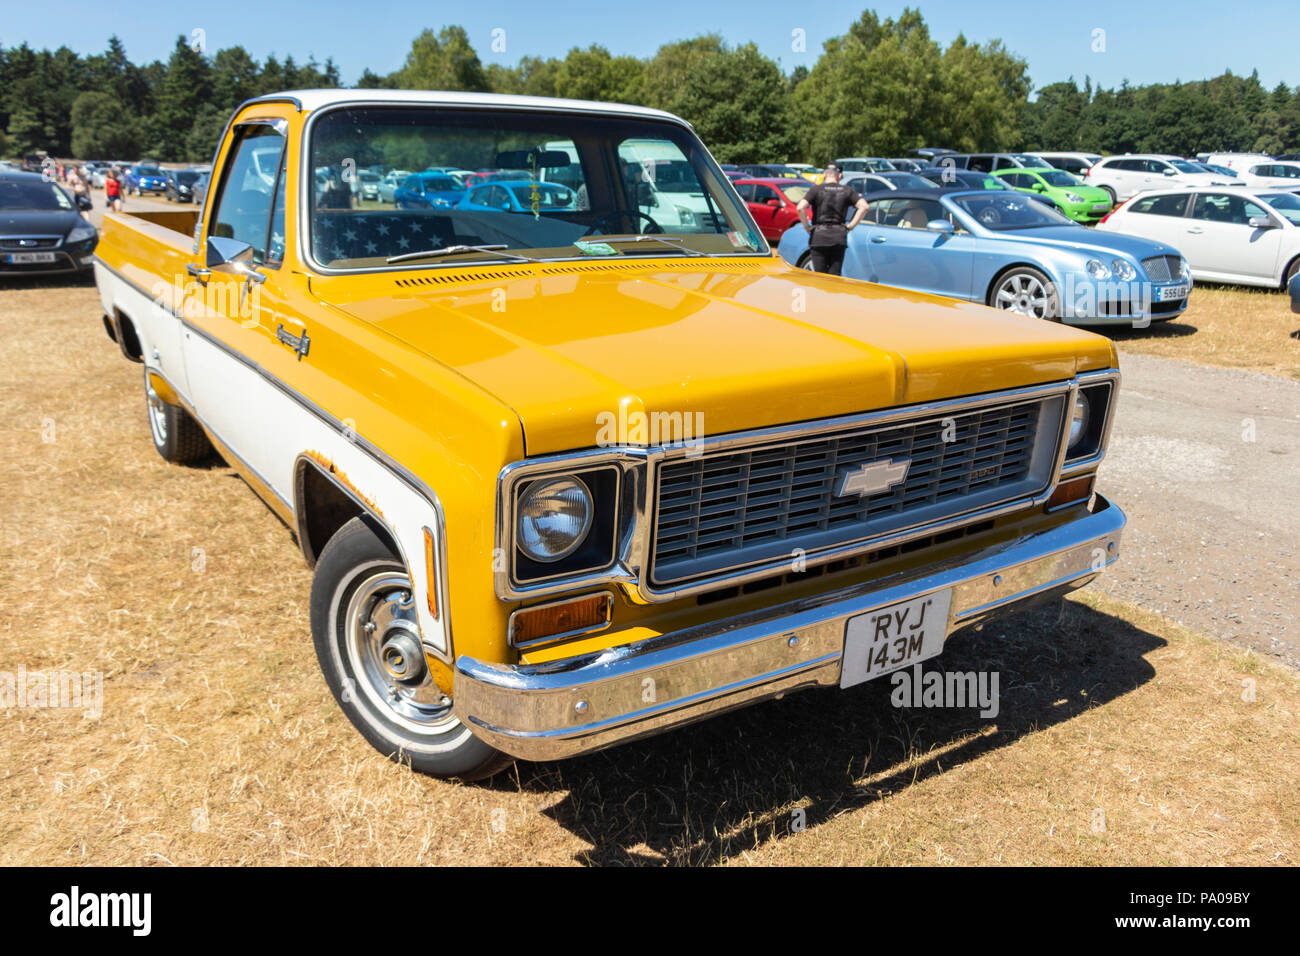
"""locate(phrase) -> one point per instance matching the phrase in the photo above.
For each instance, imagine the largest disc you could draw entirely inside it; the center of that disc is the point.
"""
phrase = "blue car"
(148, 179)
(1009, 252)
(516, 195)
(428, 191)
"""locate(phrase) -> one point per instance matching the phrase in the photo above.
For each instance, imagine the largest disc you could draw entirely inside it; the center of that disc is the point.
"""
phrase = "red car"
(772, 203)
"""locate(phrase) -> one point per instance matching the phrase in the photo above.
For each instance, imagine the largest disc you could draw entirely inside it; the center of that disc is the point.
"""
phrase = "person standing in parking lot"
(830, 201)
(113, 190)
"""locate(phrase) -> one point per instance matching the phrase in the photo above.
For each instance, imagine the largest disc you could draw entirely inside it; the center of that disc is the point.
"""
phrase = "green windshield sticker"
(596, 248)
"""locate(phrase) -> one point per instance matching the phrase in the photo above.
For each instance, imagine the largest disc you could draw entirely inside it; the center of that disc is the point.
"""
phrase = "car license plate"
(1100, 206)
(888, 638)
(14, 258)
(1171, 293)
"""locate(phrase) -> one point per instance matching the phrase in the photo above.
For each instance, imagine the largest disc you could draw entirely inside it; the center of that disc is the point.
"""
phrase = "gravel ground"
(1206, 463)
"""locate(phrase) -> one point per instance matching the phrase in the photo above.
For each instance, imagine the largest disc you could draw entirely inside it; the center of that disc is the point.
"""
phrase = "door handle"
(1195, 230)
(878, 239)
(299, 343)
(198, 272)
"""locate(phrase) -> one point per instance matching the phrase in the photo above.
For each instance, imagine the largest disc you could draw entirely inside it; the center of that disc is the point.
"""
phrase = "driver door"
(905, 253)
(228, 305)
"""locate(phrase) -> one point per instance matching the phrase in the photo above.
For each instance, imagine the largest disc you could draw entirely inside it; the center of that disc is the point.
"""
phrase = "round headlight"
(1097, 269)
(1078, 419)
(1123, 270)
(553, 518)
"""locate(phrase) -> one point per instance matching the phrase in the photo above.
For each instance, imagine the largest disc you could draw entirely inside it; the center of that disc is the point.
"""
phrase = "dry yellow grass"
(219, 742)
(1227, 326)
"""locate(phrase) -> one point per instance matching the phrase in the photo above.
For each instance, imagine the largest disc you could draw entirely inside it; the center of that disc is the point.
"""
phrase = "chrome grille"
(730, 510)
(28, 244)
(1162, 268)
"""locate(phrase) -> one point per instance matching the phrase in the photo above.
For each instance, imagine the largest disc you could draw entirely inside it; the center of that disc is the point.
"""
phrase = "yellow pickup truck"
(574, 463)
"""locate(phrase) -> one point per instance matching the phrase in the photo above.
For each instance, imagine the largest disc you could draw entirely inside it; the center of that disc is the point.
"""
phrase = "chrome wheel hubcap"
(1023, 294)
(382, 641)
(157, 412)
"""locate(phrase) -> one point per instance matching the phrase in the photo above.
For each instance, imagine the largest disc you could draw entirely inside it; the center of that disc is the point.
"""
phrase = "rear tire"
(362, 624)
(177, 437)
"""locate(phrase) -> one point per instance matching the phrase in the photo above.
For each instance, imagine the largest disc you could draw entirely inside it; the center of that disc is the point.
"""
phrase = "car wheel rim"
(157, 413)
(1023, 294)
(382, 642)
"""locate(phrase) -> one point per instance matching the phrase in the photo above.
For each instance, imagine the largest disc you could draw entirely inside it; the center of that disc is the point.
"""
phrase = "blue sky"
(1144, 41)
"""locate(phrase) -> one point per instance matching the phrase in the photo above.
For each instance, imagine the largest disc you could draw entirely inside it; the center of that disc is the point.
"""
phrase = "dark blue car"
(428, 191)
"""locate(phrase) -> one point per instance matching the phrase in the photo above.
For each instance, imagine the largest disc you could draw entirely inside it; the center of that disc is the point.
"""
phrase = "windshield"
(1288, 204)
(35, 196)
(187, 177)
(1030, 160)
(1183, 166)
(597, 178)
(1060, 178)
(796, 191)
(1012, 211)
(908, 181)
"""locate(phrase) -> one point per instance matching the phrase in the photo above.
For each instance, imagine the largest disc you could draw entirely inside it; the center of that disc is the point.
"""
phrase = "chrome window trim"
(630, 570)
(1071, 469)
(305, 180)
(550, 639)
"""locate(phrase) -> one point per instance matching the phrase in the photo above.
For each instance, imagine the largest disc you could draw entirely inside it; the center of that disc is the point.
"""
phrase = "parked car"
(500, 570)
(1276, 174)
(180, 184)
(771, 170)
(869, 183)
(931, 153)
(953, 178)
(808, 171)
(368, 185)
(425, 190)
(518, 195)
(149, 179)
(41, 229)
(865, 164)
(1123, 176)
(199, 190)
(1229, 175)
(1235, 161)
(905, 165)
(1076, 163)
(991, 162)
(772, 202)
(1241, 236)
(389, 184)
(1066, 193)
(1007, 251)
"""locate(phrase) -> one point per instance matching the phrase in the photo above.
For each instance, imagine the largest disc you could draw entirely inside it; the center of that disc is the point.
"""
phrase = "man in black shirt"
(830, 202)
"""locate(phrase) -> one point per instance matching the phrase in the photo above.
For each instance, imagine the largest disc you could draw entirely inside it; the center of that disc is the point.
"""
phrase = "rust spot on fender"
(342, 476)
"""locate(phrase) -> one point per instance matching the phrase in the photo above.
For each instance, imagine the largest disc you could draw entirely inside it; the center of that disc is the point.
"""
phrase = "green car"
(1064, 190)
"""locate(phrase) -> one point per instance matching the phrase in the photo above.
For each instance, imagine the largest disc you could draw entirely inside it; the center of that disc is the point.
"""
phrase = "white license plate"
(1171, 293)
(896, 636)
(1100, 206)
(17, 257)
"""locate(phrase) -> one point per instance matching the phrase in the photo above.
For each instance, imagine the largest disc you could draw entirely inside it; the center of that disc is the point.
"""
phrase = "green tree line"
(881, 88)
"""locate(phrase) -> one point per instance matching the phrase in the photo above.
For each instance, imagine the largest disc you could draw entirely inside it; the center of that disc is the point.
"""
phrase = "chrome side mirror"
(233, 255)
(942, 226)
(1260, 222)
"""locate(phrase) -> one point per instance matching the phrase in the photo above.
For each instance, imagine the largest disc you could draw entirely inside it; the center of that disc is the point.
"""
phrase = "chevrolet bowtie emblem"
(871, 478)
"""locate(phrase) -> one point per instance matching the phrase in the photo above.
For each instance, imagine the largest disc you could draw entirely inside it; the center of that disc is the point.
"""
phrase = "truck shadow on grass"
(717, 788)
(1173, 329)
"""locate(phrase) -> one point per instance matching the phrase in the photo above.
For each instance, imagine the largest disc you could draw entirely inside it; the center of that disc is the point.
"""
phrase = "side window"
(1121, 166)
(746, 191)
(1225, 208)
(412, 184)
(247, 192)
(1004, 162)
(764, 194)
(1171, 205)
(1018, 180)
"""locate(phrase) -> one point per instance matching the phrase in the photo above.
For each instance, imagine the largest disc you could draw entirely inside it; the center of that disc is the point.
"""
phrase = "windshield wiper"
(669, 241)
(456, 250)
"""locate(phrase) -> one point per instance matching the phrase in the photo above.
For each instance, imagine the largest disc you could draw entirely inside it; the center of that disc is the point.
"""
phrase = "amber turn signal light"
(1070, 492)
(564, 618)
(431, 570)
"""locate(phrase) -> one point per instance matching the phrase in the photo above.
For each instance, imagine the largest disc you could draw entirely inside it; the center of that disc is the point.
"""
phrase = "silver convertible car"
(1007, 251)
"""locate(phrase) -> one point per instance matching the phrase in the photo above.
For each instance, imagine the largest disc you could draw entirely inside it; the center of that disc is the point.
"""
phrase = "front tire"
(363, 625)
(177, 437)
(1026, 291)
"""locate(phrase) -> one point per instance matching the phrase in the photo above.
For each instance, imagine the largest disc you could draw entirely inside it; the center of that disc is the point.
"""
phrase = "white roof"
(315, 99)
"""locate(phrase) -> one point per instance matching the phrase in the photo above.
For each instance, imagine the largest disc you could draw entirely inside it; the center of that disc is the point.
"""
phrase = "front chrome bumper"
(572, 706)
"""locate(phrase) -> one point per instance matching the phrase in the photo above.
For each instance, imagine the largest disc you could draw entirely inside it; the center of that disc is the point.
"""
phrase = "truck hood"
(735, 344)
